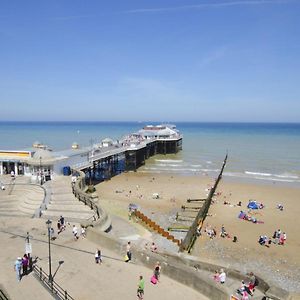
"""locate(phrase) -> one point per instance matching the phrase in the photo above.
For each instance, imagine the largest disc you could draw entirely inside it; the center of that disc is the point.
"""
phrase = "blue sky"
(201, 60)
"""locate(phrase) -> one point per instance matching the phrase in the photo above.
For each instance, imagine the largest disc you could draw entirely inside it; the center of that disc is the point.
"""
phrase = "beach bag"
(153, 279)
(126, 258)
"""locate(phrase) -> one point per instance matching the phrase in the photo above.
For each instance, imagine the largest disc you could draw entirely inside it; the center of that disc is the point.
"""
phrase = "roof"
(162, 131)
(107, 140)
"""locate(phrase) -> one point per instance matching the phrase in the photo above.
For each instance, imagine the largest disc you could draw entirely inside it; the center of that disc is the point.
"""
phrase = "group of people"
(61, 226)
(211, 232)
(21, 266)
(154, 280)
(242, 215)
(220, 276)
(278, 238)
(246, 290)
(76, 233)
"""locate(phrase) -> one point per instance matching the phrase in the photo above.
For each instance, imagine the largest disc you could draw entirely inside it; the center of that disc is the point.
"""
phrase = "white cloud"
(206, 5)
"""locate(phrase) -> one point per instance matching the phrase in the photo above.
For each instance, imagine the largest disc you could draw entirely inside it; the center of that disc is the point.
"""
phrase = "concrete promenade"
(79, 274)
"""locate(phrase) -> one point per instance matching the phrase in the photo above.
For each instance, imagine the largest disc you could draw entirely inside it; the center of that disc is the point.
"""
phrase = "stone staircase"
(64, 203)
(20, 198)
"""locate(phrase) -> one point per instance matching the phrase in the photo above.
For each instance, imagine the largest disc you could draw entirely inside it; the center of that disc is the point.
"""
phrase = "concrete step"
(61, 190)
(28, 207)
(79, 207)
(64, 198)
(75, 202)
(69, 216)
(8, 205)
(13, 213)
(31, 202)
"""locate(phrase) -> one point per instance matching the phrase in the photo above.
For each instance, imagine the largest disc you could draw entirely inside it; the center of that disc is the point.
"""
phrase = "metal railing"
(52, 286)
(3, 296)
(86, 199)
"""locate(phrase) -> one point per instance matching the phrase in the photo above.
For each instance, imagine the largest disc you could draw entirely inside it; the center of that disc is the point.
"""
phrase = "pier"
(128, 154)
(99, 162)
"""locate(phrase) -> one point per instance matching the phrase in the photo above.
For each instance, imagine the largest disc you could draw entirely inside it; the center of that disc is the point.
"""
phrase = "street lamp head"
(49, 223)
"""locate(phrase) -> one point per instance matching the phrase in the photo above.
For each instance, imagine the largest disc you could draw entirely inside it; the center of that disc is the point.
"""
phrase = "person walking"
(141, 288)
(157, 270)
(98, 256)
(25, 262)
(75, 232)
(83, 232)
(128, 252)
(18, 268)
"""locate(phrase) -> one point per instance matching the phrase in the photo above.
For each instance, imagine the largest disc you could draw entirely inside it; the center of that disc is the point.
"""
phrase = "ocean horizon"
(265, 152)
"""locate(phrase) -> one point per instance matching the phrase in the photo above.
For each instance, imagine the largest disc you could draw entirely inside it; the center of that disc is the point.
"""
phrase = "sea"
(261, 152)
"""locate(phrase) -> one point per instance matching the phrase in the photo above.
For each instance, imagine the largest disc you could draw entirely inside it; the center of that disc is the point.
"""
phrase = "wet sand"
(278, 263)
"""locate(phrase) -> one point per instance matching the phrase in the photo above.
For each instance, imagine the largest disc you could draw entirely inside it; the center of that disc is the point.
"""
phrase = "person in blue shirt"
(18, 267)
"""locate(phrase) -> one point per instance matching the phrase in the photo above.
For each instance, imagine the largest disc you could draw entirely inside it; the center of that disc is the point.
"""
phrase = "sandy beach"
(280, 264)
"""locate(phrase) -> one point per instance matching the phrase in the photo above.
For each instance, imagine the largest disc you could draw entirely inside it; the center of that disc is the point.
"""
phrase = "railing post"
(41, 273)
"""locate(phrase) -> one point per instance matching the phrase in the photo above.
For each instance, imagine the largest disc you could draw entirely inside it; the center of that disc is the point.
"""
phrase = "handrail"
(100, 218)
(87, 201)
(3, 295)
(53, 287)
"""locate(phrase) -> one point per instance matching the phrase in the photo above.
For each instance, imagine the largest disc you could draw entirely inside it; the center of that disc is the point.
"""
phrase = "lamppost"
(49, 223)
(41, 171)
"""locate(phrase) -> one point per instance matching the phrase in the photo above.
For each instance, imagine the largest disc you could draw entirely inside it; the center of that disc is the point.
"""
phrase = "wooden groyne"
(154, 226)
(192, 234)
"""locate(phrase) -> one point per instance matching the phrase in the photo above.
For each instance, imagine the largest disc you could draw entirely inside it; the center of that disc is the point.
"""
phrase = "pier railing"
(52, 286)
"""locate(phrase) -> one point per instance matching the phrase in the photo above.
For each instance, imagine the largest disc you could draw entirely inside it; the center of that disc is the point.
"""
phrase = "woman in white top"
(222, 276)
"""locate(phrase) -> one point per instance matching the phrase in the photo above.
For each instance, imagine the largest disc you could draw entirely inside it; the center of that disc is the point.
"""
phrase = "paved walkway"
(79, 274)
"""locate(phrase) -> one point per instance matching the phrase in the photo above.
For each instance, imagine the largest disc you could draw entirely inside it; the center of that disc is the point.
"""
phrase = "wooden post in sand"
(191, 235)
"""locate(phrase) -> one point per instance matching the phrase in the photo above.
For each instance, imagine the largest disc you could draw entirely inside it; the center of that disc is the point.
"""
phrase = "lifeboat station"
(100, 161)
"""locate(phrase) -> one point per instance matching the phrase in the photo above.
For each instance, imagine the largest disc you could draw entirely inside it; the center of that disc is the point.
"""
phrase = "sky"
(167, 60)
